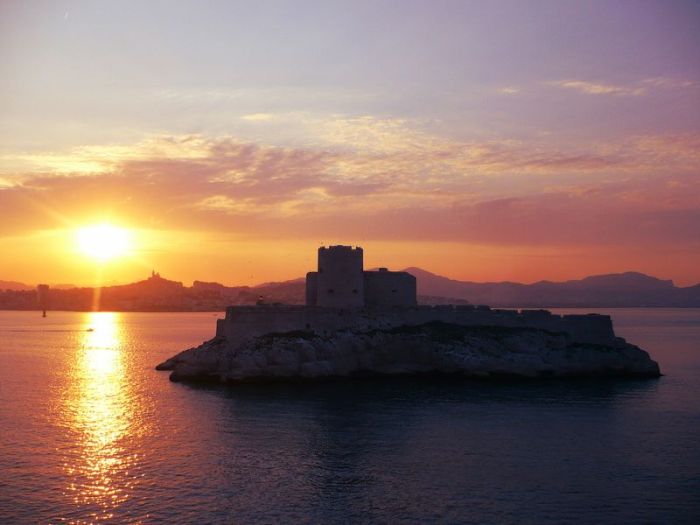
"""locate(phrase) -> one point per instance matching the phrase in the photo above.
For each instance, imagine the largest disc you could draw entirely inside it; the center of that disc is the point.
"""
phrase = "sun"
(103, 241)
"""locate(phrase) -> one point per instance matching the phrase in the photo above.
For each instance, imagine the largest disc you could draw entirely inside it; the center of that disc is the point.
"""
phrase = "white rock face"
(431, 348)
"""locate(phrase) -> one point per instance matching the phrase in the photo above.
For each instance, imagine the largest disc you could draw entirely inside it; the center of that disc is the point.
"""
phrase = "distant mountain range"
(612, 290)
(14, 285)
(629, 289)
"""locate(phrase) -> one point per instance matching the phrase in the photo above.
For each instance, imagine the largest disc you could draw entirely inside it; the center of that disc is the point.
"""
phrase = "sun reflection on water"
(99, 479)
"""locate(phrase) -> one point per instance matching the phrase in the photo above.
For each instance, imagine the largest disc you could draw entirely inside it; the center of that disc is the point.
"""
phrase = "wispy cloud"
(596, 88)
(668, 82)
(372, 178)
(258, 117)
(104, 158)
(634, 89)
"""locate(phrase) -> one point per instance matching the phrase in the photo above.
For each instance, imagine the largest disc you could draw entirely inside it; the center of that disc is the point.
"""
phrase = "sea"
(90, 432)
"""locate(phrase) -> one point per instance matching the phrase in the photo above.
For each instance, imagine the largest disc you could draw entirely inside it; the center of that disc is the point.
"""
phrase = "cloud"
(371, 178)
(258, 117)
(668, 82)
(105, 158)
(508, 90)
(593, 88)
(641, 87)
(630, 215)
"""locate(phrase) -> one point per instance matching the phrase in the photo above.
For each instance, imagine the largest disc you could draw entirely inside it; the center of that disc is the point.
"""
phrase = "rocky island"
(360, 323)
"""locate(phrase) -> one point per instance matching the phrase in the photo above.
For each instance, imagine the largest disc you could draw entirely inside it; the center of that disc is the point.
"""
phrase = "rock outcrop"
(442, 348)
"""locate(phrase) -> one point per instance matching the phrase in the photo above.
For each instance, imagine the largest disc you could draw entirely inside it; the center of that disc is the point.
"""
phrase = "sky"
(485, 141)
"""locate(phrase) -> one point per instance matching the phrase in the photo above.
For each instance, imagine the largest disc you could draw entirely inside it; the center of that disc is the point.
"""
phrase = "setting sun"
(103, 242)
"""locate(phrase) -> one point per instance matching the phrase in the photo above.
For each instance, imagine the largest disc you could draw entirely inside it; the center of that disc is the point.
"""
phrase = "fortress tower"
(340, 277)
(341, 282)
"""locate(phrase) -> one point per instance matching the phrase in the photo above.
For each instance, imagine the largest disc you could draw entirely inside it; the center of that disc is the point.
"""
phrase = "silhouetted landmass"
(613, 290)
(155, 294)
(14, 285)
(434, 348)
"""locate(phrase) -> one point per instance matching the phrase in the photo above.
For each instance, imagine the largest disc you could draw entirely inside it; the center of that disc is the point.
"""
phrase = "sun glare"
(103, 242)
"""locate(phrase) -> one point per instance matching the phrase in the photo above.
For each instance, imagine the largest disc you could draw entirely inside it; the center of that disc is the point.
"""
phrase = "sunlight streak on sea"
(97, 404)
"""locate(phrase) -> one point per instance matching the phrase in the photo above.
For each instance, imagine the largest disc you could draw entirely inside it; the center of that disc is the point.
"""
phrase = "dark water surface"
(90, 432)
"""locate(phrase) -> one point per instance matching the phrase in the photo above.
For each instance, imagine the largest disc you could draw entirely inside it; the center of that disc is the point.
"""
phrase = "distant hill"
(14, 285)
(611, 290)
(63, 286)
(159, 294)
(288, 292)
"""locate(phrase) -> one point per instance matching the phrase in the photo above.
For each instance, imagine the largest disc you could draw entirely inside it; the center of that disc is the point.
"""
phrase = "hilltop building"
(342, 282)
(42, 292)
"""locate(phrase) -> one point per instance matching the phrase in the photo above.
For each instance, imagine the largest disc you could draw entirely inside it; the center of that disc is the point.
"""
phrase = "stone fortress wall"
(243, 322)
(341, 295)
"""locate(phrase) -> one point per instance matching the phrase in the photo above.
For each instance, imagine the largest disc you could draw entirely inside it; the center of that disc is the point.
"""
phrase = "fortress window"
(354, 290)
(330, 290)
(393, 291)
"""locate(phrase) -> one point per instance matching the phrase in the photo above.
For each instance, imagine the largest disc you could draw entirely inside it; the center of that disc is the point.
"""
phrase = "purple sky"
(514, 131)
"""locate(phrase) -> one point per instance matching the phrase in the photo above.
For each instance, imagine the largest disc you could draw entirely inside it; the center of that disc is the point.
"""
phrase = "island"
(368, 323)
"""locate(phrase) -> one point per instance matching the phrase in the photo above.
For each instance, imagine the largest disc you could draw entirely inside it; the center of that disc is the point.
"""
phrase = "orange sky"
(484, 144)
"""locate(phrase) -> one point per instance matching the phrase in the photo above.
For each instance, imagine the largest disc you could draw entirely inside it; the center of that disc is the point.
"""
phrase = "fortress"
(341, 282)
(341, 295)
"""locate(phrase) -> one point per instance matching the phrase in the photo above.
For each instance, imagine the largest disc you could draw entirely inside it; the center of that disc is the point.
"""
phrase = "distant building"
(342, 282)
(42, 293)
(156, 282)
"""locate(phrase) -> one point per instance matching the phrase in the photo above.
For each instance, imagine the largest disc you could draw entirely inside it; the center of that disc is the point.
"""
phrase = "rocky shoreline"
(485, 352)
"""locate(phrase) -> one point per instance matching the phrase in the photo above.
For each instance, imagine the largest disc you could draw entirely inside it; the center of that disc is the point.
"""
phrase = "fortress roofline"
(340, 247)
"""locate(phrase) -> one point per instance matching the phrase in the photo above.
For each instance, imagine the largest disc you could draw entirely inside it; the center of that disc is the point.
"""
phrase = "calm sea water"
(90, 432)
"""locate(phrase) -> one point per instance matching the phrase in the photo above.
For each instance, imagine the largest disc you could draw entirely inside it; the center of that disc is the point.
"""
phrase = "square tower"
(340, 277)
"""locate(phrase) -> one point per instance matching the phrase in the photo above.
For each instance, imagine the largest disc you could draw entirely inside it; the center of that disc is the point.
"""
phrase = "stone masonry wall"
(243, 322)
